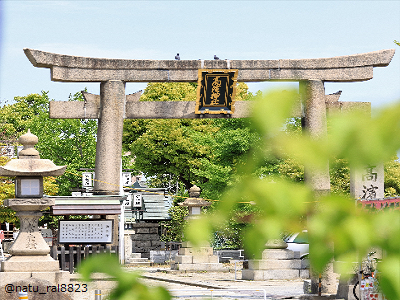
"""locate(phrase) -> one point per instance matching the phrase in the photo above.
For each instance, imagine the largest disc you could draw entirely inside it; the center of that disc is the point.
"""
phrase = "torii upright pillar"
(109, 137)
(313, 92)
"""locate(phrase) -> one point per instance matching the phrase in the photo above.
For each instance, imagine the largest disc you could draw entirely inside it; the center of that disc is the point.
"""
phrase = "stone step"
(135, 255)
(279, 274)
(200, 267)
(138, 260)
(138, 264)
(280, 254)
(269, 264)
(189, 259)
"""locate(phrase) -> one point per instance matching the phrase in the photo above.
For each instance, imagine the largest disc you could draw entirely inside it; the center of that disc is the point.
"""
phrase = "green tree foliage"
(70, 142)
(169, 91)
(392, 175)
(7, 190)
(210, 152)
(202, 152)
(230, 234)
(174, 228)
(337, 228)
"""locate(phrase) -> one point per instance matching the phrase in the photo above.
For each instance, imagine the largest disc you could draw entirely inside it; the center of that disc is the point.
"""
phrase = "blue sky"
(197, 30)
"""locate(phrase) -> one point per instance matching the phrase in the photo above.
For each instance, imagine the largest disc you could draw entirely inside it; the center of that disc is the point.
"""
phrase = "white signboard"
(87, 179)
(137, 200)
(368, 183)
(85, 232)
(126, 179)
(128, 202)
(7, 151)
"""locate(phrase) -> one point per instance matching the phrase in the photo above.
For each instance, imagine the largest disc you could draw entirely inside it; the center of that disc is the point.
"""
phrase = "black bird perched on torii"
(177, 57)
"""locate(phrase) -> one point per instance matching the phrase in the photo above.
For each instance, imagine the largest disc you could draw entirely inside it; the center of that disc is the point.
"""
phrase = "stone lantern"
(200, 258)
(29, 253)
(194, 203)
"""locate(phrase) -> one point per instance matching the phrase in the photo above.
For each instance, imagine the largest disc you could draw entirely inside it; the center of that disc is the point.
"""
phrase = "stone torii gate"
(112, 106)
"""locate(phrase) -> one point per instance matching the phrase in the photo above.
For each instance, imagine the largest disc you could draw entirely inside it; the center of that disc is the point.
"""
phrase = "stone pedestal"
(346, 287)
(197, 259)
(30, 253)
(275, 264)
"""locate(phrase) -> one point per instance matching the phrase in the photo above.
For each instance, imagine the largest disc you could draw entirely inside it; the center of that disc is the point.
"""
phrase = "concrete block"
(305, 263)
(205, 259)
(184, 259)
(185, 251)
(157, 258)
(140, 244)
(269, 264)
(187, 244)
(49, 276)
(161, 256)
(256, 275)
(142, 230)
(58, 277)
(202, 251)
(304, 273)
(277, 254)
(260, 275)
(213, 259)
(345, 289)
(30, 264)
(156, 244)
(200, 259)
(196, 251)
(142, 237)
(281, 274)
(136, 255)
(8, 277)
(153, 230)
(202, 267)
(63, 277)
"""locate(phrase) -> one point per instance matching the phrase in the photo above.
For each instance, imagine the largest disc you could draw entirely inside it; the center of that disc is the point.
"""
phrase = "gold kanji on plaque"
(216, 91)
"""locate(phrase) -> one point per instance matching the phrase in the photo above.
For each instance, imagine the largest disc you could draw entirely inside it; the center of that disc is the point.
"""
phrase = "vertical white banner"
(87, 179)
(126, 179)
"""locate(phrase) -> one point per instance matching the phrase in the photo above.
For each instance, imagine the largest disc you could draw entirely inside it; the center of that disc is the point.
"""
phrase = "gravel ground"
(203, 285)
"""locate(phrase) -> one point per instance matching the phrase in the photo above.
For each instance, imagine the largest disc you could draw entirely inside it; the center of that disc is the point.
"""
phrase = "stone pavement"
(203, 285)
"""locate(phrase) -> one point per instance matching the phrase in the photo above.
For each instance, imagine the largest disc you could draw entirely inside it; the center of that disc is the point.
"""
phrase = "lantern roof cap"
(194, 200)
(28, 140)
(29, 162)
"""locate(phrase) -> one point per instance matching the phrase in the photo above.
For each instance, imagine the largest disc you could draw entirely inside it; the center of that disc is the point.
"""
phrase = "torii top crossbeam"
(358, 67)
(113, 106)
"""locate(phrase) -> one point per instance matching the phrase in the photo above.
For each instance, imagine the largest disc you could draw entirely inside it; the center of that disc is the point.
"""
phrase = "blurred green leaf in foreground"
(338, 229)
(128, 285)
